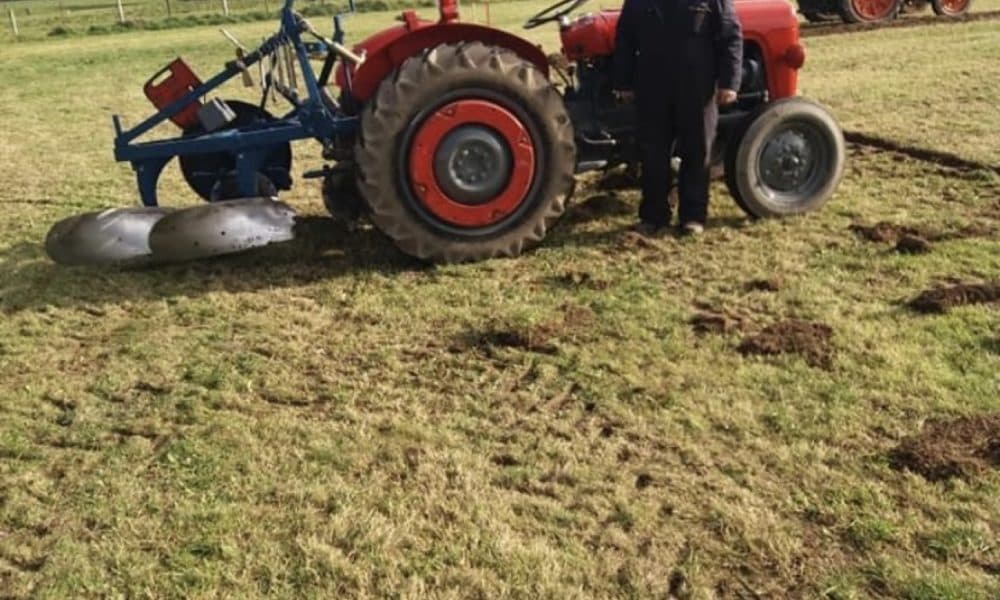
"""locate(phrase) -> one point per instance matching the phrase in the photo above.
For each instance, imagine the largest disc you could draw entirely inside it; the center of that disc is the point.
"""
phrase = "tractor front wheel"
(466, 152)
(788, 159)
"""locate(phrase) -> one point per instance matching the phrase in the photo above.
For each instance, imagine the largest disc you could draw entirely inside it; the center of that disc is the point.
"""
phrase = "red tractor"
(460, 141)
(876, 11)
(470, 137)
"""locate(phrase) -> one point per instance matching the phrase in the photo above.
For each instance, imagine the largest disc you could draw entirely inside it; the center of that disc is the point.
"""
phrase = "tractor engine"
(605, 128)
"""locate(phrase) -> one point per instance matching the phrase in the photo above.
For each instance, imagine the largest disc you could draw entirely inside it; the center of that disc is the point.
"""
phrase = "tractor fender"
(387, 50)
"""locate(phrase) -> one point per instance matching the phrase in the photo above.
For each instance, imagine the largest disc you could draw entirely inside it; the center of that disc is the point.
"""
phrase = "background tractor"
(875, 11)
(459, 141)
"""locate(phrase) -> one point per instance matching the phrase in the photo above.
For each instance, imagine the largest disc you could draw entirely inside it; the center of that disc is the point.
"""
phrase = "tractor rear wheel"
(788, 159)
(466, 152)
(950, 8)
(869, 11)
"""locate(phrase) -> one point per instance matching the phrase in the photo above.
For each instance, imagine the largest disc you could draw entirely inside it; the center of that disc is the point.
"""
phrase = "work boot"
(692, 229)
(647, 229)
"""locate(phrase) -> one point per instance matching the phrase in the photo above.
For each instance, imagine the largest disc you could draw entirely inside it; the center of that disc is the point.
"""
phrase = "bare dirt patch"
(810, 340)
(913, 244)
(770, 284)
(941, 299)
(965, 447)
(539, 338)
(941, 159)
(597, 207)
(713, 322)
(883, 231)
(580, 279)
(912, 239)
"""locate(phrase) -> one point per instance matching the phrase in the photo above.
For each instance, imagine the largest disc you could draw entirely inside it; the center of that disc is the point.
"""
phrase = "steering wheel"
(554, 13)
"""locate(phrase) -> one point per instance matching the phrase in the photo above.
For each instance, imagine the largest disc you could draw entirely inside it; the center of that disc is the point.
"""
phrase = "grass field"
(330, 419)
(39, 19)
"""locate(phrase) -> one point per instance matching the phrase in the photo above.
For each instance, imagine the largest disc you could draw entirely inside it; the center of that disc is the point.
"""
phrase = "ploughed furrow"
(944, 159)
(820, 29)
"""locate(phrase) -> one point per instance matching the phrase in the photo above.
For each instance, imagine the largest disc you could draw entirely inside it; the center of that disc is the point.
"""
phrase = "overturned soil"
(941, 159)
(912, 239)
(580, 279)
(941, 299)
(965, 447)
(714, 322)
(883, 231)
(810, 340)
(913, 244)
(597, 207)
(539, 338)
(770, 284)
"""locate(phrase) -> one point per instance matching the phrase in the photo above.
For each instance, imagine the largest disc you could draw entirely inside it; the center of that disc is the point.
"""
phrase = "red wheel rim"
(424, 149)
(874, 10)
(954, 7)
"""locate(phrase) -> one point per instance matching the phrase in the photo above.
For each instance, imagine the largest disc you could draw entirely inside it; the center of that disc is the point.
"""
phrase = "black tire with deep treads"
(424, 82)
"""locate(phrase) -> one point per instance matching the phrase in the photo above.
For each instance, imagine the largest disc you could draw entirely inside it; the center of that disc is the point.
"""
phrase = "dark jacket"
(678, 47)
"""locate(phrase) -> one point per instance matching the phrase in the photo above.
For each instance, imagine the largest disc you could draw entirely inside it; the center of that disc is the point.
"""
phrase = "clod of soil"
(771, 284)
(505, 460)
(883, 231)
(706, 322)
(911, 239)
(581, 279)
(632, 240)
(963, 447)
(940, 299)
(811, 341)
(538, 338)
(913, 244)
(532, 340)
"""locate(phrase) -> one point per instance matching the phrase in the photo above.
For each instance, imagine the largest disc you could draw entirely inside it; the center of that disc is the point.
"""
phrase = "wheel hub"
(787, 161)
(471, 163)
(874, 10)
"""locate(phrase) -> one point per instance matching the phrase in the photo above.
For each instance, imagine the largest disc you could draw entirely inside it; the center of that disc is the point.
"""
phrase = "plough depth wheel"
(212, 176)
(466, 152)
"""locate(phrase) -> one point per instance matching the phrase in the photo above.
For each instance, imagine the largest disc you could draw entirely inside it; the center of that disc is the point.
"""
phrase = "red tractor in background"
(876, 11)
(470, 136)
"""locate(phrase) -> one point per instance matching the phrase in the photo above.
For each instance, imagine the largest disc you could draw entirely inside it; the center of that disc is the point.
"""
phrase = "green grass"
(313, 421)
(39, 19)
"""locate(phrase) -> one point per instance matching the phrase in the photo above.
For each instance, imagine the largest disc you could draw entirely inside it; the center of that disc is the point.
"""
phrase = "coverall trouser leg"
(656, 141)
(696, 126)
(691, 126)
